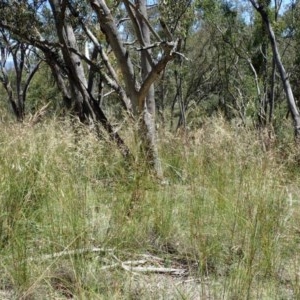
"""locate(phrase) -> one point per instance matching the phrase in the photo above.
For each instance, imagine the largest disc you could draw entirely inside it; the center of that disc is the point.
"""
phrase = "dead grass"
(228, 216)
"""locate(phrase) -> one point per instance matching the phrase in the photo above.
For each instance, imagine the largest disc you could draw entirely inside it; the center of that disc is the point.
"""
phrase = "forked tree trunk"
(81, 100)
(141, 94)
(17, 90)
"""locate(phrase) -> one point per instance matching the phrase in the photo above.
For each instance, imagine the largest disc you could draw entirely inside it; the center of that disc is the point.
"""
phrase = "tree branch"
(138, 30)
(170, 51)
(29, 78)
(112, 82)
(109, 28)
(153, 31)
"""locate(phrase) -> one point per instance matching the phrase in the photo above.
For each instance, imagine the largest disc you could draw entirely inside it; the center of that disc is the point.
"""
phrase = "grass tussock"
(229, 215)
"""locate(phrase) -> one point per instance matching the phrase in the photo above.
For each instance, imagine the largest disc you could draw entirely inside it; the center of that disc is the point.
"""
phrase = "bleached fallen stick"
(151, 269)
(132, 266)
(135, 262)
(69, 253)
(135, 266)
(126, 263)
(152, 257)
(188, 281)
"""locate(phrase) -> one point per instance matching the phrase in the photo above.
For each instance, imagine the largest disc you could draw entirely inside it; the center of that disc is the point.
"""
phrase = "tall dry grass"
(229, 214)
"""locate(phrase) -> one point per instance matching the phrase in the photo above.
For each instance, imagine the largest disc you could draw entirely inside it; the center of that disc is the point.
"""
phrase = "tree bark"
(148, 118)
(283, 75)
(63, 55)
(141, 94)
(84, 104)
(108, 26)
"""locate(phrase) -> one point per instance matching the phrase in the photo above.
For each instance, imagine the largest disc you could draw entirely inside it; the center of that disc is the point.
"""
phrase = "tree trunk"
(272, 92)
(141, 94)
(17, 90)
(82, 101)
(283, 75)
(148, 117)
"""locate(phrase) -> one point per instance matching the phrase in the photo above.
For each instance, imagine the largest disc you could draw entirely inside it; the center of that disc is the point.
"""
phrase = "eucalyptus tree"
(262, 8)
(20, 57)
(27, 21)
(138, 82)
(78, 73)
(218, 76)
(180, 17)
(260, 62)
(292, 35)
(264, 60)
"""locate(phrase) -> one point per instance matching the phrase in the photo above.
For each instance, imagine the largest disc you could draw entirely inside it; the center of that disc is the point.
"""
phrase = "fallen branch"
(130, 265)
(69, 253)
(152, 269)
(152, 257)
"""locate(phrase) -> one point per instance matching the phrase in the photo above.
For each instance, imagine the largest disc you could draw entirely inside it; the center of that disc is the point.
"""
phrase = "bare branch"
(122, 21)
(107, 24)
(148, 47)
(138, 30)
(29, 78)
(112, 82)
(166, 30)
(170, 51)
(153, 31)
